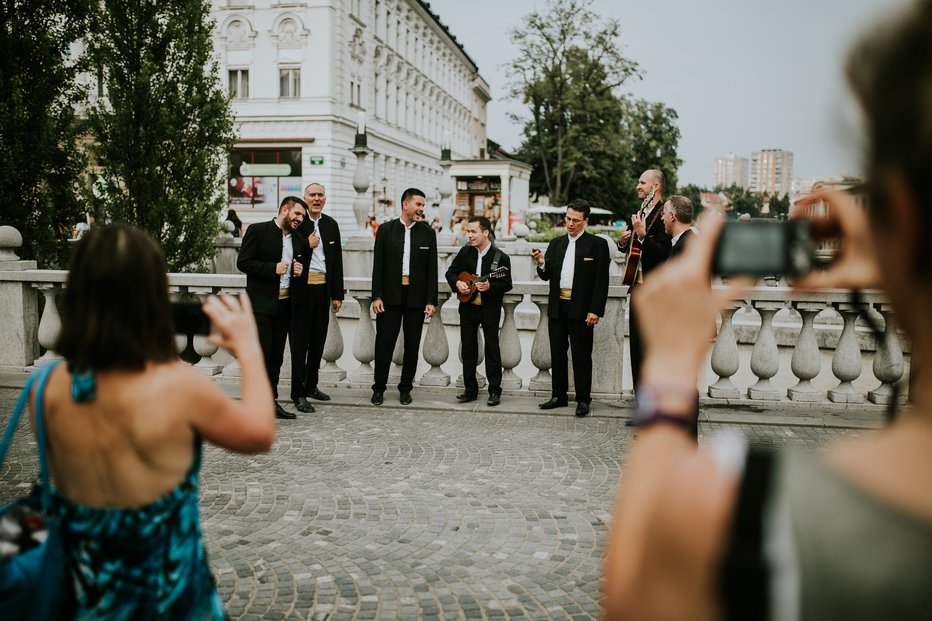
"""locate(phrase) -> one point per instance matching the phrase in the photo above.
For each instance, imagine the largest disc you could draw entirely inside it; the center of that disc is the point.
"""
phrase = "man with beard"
(324, 288)
(404, 290)
(274, 258)
(576, 264)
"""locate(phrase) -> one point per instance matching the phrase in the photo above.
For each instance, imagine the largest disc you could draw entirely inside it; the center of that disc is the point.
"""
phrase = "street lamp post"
(445, 238)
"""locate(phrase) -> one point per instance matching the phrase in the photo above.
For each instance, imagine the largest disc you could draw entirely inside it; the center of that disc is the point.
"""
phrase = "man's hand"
(377, 306)
(298, 268)
(624, 238)
(639, 225)
(592, 319)
(462, 287)
(538, 256)
(337, 305)
(483, 286)
(281, 268)
(429, 310)
(313, 239)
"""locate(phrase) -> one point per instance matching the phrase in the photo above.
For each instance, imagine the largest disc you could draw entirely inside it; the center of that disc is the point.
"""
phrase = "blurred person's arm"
(247, 425)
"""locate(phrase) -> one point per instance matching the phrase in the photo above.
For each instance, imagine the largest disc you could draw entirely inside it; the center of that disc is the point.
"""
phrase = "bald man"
(654, 243)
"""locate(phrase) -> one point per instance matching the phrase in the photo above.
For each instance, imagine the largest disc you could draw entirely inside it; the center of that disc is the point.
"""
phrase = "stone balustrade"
(808, 348)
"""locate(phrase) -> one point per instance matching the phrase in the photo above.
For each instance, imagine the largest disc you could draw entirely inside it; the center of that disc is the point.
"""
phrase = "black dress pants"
(387, 325)
(566, 333)
(634, 340)
(471, 318)
(313, 326)
(273, 332)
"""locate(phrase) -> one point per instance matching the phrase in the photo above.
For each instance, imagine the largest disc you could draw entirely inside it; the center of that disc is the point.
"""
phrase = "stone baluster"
(847, 361)
(333, 350)
(807, 359)
(19, 308)
(725, 358)
(436, 347)
(480, 378)
(540, 349)
(765, 357)
(232, 368)
(510, 344)
(364, 341)
(50, 323)
(202, 347)
(888, 360)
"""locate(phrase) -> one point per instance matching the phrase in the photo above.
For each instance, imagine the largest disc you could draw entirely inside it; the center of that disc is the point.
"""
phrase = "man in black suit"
(480, 258)
(576, 264)
(324, 288)
(404, 290)
(678, 222)
(274, 257)
(654, 243)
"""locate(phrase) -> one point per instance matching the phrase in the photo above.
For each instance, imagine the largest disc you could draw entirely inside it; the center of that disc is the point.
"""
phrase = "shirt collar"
(574, 239)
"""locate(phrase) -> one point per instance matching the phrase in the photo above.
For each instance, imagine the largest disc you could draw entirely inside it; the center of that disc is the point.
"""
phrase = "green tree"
(743, 200)
(164, 130)
(568, 67)
(651, 136)
(692, 192)
(780, 206)
(41, 163)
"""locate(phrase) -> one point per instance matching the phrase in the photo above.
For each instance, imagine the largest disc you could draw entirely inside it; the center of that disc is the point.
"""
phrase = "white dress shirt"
(318, 260)
(406, 257)
(287, 257)
(482, 254)
(569, 263)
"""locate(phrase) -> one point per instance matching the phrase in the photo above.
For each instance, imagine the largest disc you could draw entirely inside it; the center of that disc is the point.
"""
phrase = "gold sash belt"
(477, 301)
(405, 281)
(283, 294)
(566, 294)
(317, 278)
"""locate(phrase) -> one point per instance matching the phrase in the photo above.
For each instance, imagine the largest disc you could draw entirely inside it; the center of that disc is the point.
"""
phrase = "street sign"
(317, 160)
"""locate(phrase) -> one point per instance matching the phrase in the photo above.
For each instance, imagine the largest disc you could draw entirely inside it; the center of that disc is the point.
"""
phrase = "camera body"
(764, 248)
(190, 318)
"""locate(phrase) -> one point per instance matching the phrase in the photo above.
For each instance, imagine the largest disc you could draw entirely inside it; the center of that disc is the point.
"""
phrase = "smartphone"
(190, 318)
(764, 248)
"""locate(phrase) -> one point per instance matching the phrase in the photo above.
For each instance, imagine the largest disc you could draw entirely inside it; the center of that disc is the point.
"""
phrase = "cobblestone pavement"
(363, 513)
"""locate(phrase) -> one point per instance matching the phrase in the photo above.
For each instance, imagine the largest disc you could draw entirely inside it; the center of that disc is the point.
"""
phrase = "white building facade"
(771, 171)
(303, 74)
(731, 170)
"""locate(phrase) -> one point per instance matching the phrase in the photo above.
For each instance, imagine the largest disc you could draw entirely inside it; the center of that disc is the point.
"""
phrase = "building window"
(239, 83)
(289, 82)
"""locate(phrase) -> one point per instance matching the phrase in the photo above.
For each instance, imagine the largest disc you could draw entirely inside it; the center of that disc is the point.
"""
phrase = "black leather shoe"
(377, 398)
(302, 405)
(405, 398)
(466, 397)
(281, 412)
(316, 394)
(494, 400)
(582, 409)
(553, 403)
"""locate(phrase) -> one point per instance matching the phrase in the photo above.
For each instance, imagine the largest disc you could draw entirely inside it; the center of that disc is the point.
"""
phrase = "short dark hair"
(288, 201)
(682, 208)
(581, 205)
(412, 192)
(115, 311)
(484, 223)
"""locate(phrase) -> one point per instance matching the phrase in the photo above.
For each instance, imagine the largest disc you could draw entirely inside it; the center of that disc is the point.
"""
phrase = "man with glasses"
(576, 264)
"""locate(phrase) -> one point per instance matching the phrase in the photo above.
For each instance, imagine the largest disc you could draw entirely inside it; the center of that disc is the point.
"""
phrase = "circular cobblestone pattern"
(364, 513)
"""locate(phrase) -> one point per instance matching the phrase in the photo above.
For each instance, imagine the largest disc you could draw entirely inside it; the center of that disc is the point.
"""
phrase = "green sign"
(317, 160)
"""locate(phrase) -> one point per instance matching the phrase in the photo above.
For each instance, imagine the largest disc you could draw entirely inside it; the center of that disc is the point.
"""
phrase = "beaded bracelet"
(650, 410)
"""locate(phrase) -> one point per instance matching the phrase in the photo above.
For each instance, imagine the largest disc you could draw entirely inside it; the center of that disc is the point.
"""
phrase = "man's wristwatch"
(673, 406)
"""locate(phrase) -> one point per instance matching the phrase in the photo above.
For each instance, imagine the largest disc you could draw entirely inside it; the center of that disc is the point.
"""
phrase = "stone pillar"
(510, 344)
(540, 349)
(725, 358)
(765, 357)
(436, 347)
(807, 360)
(202, 347)
(445, 238)
(364, 341)
(49, 324)
(333, 350)
(847, 362)
(606, 377)
(361, 204)
(888, 360)
(19, 308)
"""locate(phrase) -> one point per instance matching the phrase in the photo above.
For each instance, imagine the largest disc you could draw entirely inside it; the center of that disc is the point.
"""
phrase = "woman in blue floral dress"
(125, 421)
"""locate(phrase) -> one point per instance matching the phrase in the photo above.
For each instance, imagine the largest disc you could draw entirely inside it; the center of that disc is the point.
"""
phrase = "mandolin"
(472, 279)
(633, 257)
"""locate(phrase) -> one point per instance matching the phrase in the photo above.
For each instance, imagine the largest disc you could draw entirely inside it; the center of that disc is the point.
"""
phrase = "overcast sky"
(743, 75)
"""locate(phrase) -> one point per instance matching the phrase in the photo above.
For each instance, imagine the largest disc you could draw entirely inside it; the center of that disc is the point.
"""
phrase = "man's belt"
(566, 294)
(317, 278)
(405, 281)
(283, 294)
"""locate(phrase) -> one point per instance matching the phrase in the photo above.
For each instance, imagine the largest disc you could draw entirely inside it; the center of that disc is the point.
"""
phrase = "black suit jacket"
(465, 261)
(333, 252)
(590, 275)
(260, 251)
(681, 243)
(655, 249)
(387, 259)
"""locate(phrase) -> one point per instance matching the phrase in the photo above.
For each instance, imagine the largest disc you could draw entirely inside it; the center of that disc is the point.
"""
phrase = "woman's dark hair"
(891, 73)
(115, 311)
(232, 217)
